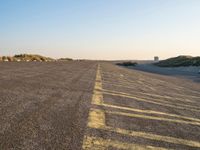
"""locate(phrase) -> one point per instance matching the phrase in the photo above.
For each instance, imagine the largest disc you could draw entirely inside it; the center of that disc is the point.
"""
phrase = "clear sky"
(100, 29)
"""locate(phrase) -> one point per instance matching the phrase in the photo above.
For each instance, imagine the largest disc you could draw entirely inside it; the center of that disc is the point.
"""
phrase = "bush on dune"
(128, 63)
(179, 61)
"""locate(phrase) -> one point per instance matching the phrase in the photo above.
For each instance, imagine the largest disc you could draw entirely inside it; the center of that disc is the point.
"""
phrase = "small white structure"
(156, 58)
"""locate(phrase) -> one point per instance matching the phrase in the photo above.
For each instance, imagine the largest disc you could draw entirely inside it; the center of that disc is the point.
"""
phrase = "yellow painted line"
(138, 83)
(124, 84)
(160, 96)
(153, 118)
(96, 120)
(96, 116)
(156, 137)
(151, 112)
(141, 78)
(149, 84)
(160, 100)
(155, 95)
(96, 143)
(148, 136)
(153, 102)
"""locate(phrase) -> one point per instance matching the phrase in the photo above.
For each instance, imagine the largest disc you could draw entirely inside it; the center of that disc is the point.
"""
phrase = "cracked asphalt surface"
(95, 105)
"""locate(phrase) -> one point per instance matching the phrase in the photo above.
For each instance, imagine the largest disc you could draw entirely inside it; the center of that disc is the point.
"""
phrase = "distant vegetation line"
(179, 61)
(127, 63)
(30, 57)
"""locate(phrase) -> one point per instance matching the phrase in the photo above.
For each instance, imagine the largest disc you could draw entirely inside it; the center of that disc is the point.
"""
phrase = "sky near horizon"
(100, 29)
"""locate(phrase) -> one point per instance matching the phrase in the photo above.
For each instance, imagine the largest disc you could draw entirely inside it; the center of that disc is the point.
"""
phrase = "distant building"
(156, 58)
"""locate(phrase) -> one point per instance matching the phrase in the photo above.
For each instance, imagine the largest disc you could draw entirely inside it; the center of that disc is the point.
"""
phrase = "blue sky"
(100, 29)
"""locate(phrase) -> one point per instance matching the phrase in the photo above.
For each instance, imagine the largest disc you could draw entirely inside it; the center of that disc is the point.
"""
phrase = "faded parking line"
(96, 120)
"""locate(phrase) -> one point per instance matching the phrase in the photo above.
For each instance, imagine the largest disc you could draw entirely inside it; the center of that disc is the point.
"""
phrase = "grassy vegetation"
(128, 63)
(179, 61)
(25, 57)
(30, 57)
(65, 59)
